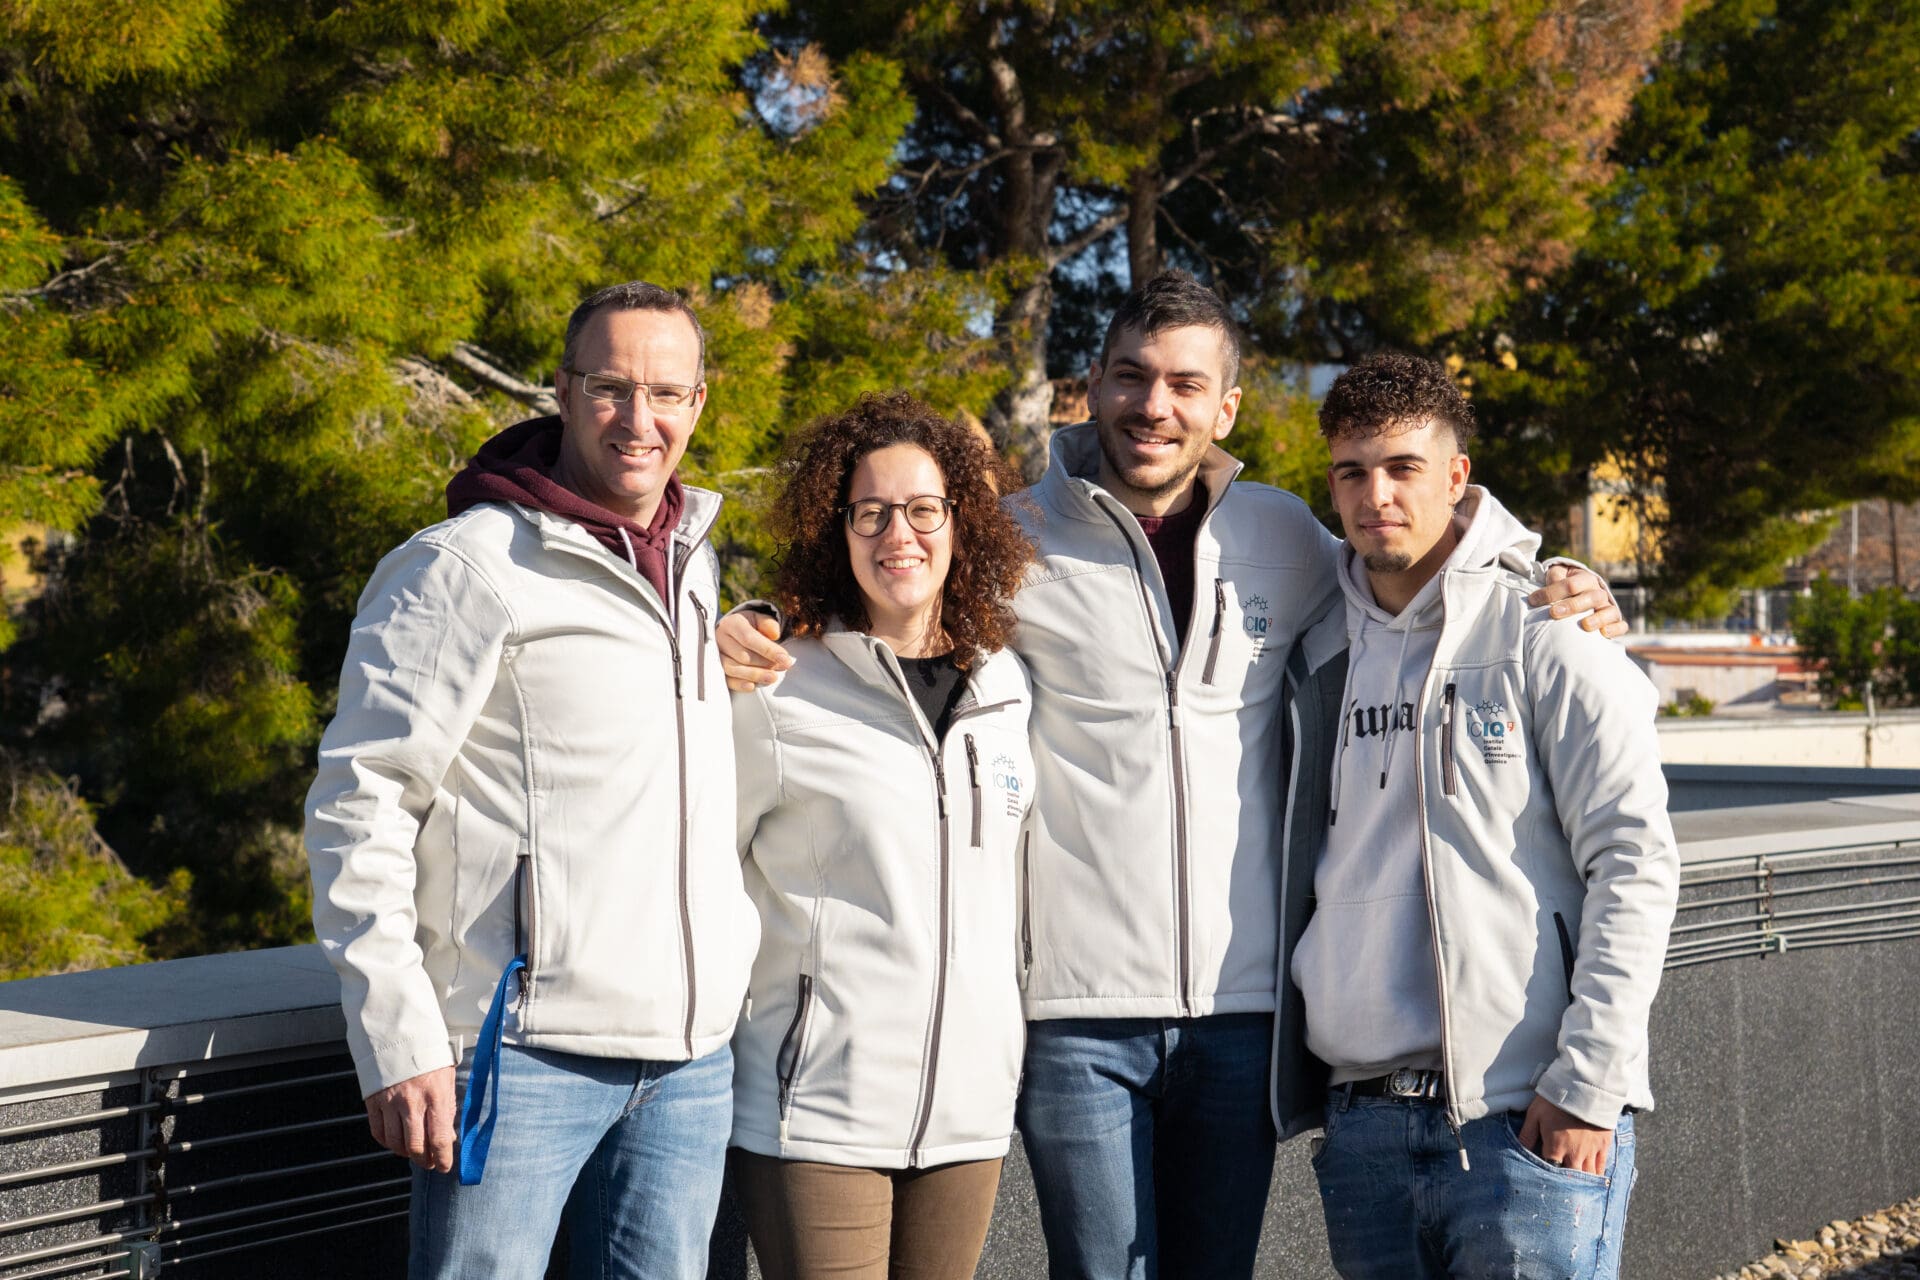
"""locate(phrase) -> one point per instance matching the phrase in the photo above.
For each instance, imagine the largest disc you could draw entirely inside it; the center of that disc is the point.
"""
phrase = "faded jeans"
(1151, 1144)
(639, 1146)
(1400, 1207)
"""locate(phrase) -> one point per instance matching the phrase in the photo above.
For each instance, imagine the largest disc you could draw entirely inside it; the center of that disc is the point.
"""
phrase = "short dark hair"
(815, 581)
(1173, 300)
(1390, 391)
(634, 295)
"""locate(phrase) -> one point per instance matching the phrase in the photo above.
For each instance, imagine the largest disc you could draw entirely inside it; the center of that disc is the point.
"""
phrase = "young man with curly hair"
(1494, 876)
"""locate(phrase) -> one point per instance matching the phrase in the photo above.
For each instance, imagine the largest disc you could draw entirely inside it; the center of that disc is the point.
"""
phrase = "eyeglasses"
(664, 398)
(925, 513)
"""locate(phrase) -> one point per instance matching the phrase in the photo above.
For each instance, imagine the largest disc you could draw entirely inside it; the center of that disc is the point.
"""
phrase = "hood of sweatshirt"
(1490, 538)
(517, 466)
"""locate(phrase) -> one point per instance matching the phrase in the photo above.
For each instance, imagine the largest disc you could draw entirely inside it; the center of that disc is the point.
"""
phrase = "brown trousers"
(813, 1221)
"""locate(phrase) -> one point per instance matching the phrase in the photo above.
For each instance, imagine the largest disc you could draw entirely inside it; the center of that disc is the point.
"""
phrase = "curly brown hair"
(1389, 391)
(815, 581)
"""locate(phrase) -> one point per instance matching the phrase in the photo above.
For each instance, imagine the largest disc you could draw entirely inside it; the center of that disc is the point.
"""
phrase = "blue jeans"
(1400, 1207)
(639, 1147)
(1151, 1143)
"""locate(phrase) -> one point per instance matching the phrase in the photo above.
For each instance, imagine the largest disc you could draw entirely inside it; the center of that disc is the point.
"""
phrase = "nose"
(1158, 402)
(897, 530)
(1380, 489)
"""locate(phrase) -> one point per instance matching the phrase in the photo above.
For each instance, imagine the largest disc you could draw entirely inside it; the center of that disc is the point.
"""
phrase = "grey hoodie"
(1546, 858)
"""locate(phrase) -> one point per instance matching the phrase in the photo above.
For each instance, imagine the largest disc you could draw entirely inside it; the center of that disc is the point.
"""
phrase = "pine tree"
(1737, 333)
(1347, 173)
(273, 268)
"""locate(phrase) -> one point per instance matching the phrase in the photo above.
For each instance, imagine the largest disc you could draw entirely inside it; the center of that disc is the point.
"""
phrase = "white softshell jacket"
(532, 754)
(884, 1026)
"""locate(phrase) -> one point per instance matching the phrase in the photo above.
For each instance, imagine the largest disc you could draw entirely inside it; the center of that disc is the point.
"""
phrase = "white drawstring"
(627, 542)
(1393, 712)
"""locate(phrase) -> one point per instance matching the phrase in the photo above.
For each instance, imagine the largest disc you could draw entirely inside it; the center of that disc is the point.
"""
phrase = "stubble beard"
(1386, 561)
(1136, 477)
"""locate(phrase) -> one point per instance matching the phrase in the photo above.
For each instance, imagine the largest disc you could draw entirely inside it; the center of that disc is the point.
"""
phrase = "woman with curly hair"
(882, 786)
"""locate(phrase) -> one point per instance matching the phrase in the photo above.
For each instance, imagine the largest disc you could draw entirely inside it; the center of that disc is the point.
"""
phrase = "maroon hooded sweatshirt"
(517, 466)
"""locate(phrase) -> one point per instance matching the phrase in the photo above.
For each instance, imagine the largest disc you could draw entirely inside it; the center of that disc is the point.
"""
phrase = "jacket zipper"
(700, 654)
(1182, 910)
(676, 570)
(932, 1072)
(1433, 917)
(526, 943)
(973, 776)
(787, 1062)
(680, 739)
(1219, 614)
(1448, 774)
(1026, 906)
(936, 756)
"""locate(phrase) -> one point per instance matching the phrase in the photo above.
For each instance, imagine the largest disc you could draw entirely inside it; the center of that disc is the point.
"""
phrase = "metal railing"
(234, 1168)
(1802, 900)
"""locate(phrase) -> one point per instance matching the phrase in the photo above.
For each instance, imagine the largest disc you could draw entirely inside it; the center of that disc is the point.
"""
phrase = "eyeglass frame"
(886, 516)
(692, 390)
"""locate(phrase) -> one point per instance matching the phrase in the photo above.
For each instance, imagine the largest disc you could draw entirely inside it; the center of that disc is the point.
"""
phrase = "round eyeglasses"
(925, 512)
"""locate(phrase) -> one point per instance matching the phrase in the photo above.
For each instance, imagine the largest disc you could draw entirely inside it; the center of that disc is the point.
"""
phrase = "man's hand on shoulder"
(1564, 1139)
(1580, 590)
(750, 652)
(415, 1119)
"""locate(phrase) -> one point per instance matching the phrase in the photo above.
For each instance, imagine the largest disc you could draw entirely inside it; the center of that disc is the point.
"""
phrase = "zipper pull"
(1459, 1141)
(1219, 604)
(940, 787)
(678, 693)
(973, 764)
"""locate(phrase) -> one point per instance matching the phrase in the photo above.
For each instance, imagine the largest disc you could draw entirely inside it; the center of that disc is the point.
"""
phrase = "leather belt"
(1406, 1084)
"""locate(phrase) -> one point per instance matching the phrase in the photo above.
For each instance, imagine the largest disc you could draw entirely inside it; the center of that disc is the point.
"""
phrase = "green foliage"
(1695, 704)
(272, 271)
(66, 903)
(1737, 332)
(1861, 643)
(1277, 435)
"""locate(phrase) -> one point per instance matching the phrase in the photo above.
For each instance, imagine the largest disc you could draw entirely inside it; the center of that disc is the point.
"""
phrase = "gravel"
(1879, 1246)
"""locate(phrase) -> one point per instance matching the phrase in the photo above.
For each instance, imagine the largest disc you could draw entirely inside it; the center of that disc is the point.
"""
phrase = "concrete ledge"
(75, 1026)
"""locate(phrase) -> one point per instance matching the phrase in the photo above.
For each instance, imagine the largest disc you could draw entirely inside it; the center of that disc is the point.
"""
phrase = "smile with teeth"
(1147, 438)
(902, 562)
(635, 450)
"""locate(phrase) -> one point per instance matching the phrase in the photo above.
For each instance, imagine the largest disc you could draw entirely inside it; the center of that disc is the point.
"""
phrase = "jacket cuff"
(1578, 1099)
(386, 1065)
(766, 608)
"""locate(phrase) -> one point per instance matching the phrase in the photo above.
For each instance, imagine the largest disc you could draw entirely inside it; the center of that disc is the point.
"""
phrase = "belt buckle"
(1405, 1082)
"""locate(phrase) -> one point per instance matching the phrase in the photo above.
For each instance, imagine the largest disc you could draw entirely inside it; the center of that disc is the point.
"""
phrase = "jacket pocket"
(526, 924)
(1566, 950)
(1219, 621)
(787, 1061)
(700, 651)
(1449, 774)
(1026, 907)
(973, 778)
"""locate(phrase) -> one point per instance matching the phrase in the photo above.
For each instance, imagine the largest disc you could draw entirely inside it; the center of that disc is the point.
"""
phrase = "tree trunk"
(1144, 260)
(1893, 541)
(1019, 418)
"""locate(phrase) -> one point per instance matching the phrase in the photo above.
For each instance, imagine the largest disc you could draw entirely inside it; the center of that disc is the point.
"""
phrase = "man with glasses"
(521, 834)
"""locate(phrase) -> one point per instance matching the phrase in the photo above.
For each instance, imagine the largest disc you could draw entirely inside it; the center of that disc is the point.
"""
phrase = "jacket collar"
(992, 681)
(696, 521)
(1071, 485)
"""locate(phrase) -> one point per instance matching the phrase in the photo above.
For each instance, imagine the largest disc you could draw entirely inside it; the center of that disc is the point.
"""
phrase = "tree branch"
(959, 110)
(486, 369)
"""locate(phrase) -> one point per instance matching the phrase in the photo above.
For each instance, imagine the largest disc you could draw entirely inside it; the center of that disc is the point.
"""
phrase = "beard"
(1387, 561)
(1148, 479)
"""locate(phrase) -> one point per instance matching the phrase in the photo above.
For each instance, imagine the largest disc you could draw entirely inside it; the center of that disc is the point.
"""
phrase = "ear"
(1229, 411)
(562, 389)
(1093, 390)
(1458, 467)
(699, 404)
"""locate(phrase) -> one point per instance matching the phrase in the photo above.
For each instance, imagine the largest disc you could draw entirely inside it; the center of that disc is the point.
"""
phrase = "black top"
(1172, 538)
(936, 685)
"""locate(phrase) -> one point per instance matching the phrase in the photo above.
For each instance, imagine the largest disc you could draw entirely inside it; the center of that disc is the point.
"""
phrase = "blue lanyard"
(483, 1085)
